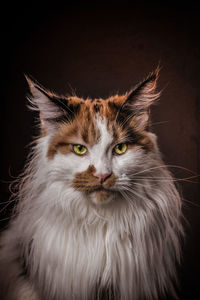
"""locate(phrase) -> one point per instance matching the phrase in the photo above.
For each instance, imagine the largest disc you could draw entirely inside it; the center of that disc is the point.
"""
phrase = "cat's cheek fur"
(67, 166)
(122, 164)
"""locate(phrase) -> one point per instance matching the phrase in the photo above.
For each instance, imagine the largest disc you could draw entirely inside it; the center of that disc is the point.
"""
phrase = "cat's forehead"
(94, 118)
(94, 122)
(106, 108)
(94, 115)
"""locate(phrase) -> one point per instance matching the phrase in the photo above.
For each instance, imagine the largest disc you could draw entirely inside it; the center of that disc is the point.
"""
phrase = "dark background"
(96, 51)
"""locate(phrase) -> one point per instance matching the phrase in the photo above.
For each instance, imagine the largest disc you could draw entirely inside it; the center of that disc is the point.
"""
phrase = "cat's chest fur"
(77, 255)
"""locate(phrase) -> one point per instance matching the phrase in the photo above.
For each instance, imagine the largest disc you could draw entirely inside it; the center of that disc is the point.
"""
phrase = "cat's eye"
(120, 148)
(79, 149)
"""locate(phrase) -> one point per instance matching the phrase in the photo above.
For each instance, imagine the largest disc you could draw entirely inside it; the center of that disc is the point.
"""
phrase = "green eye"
(120, 148)
(79, 149)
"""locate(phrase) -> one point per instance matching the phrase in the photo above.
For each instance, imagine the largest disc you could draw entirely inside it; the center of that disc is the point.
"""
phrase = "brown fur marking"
(86, 181)
(101, 195)
(145, 143)
(83, 130)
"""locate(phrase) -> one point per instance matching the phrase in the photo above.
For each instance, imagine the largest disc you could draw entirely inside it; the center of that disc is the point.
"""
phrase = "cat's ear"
(138, 101)
(52, 108)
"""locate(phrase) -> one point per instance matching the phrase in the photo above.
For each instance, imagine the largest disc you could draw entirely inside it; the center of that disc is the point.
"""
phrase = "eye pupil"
(79, 149)
(120, 148)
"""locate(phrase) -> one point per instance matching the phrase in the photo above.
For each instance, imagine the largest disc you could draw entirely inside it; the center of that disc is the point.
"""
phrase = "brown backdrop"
(98, 51)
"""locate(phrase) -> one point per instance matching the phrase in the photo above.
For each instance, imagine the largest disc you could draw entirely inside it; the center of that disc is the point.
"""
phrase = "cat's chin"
(101, 196)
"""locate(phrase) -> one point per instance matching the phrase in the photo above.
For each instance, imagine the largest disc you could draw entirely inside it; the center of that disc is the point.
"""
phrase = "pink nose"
(102, 177)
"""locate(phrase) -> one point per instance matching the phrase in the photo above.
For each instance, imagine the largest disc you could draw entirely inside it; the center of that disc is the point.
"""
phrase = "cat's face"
(95, 146)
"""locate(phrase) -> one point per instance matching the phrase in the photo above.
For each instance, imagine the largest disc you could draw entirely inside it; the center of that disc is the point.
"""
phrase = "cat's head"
(95, 145)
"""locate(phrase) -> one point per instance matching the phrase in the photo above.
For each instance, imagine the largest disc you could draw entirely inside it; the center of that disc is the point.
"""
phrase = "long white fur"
(74, 247)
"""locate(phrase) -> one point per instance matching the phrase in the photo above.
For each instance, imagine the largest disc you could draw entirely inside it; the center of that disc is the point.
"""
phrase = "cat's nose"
(102, 177)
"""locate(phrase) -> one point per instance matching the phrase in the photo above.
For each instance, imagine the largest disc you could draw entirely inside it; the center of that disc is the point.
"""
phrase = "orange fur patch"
(82, 129)
(86, 181)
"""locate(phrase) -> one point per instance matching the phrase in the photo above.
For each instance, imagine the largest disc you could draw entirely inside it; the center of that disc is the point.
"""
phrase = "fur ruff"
(75, 250)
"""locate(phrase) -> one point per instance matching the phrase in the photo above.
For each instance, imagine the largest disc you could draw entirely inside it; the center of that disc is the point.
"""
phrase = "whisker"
(190, 202)
(164, 179)
(164, 166)
(4, 219)
(7, 202)
(143, 185)
(7, 205)
(161, 122)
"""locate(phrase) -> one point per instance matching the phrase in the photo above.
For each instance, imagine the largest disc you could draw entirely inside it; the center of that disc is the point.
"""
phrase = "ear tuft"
(52, 108)
(138, 101)
(144, 94)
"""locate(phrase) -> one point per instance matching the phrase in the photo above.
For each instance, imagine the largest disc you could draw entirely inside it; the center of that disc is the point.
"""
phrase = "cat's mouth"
(95, 190)
(99, 189)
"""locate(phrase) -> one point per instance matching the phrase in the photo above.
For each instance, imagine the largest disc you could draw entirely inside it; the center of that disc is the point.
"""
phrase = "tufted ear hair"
(52, 108)
(138, 101)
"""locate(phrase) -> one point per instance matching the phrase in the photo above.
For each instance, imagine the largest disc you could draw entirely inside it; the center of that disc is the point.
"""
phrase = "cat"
(98, 214)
